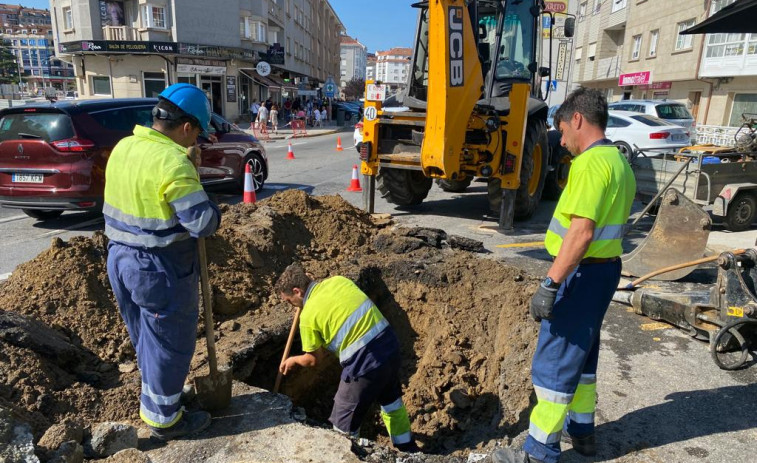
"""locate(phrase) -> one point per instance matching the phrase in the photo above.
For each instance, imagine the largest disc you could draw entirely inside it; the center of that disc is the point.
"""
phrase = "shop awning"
(264, 81)
(280, 82)
(738, 17)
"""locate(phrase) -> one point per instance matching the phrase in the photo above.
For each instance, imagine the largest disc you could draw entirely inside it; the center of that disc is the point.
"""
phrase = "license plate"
(679, 136)
(28, 178)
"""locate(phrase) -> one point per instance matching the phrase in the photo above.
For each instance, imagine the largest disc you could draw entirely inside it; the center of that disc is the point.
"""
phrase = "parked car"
(53, 156)
(671, 111)
(628, 129)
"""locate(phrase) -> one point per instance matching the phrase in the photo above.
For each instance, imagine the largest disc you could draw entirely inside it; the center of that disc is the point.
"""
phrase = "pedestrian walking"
(155, 209)
(324, 114)
(274, 118)
(317, 117)
(337, 316)
(263, 118)
(254, 109)
(584, 237)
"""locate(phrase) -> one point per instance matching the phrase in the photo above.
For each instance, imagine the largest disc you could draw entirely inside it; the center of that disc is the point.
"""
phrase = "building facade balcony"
(120, 33)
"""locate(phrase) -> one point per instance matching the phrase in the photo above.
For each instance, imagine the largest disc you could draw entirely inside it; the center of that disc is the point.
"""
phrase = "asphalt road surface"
(661, 398)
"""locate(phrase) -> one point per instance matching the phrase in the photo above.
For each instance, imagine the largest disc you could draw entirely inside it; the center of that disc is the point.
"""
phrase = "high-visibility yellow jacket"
(153, 195)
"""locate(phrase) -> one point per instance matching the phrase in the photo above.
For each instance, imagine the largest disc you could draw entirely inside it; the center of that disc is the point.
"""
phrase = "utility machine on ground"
(471, 109)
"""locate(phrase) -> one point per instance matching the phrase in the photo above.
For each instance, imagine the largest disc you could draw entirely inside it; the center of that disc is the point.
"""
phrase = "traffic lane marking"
(14, 218)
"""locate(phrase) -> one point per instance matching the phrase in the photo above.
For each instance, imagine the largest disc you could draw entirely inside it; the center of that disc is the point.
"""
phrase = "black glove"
(542, 303)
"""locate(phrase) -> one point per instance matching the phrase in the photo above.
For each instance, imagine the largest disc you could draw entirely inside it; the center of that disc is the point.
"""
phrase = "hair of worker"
(293, 276)
(588, 102)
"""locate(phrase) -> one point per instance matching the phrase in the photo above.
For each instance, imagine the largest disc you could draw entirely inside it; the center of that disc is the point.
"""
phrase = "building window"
(720, 45)
(742, 103)
(153, 16)
(68, 18)
(253, 30)
(684, 41)
(582, 11)
(597, 6)
(100, 85)
(636, 47)
(653, 43)
(618, 5)
(718, 5)
(154, 83)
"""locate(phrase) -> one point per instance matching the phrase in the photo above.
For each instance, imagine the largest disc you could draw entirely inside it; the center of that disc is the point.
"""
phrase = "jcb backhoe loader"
(473, 111)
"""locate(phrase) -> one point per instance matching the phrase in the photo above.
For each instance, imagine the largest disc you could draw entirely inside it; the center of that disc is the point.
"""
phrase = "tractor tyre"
(403, 187)
(454, 186)
(533, 173)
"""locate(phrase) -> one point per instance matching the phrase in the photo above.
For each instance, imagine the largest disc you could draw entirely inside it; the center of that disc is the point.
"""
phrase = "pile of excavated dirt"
(462, 321)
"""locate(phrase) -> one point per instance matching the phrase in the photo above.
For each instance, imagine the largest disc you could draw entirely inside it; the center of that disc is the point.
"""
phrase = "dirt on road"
(462, 320)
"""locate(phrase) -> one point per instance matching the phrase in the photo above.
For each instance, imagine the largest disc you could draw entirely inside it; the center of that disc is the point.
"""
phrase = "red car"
(53, 156)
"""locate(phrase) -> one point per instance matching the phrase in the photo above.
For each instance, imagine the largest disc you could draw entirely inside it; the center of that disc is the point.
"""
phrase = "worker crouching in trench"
(337, 316)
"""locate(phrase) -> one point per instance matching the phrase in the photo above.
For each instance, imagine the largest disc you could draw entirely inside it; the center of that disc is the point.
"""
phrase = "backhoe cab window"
(517, 46)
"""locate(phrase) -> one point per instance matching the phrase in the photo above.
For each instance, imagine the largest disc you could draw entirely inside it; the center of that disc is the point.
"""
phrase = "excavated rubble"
(462, 320)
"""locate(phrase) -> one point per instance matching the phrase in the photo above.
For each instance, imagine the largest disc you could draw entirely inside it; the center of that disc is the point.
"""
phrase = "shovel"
(214, 390)
(288, 347)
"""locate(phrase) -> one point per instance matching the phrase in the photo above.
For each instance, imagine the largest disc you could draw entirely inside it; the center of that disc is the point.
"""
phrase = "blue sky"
(379, 25)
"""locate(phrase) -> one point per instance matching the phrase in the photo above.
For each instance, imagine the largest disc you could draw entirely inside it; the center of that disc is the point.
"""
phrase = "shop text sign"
(635, 78)
(558, 6)
(119, 46)
(664, 85)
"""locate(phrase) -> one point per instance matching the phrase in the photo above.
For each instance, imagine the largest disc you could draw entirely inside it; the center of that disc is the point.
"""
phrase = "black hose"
(742, 343)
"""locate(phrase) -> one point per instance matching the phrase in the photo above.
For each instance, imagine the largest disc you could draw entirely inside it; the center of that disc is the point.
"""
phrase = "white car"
(629, 129)
(358, 135)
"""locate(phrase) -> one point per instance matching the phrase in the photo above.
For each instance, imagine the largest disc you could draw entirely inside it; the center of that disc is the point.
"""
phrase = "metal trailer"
(727, 187)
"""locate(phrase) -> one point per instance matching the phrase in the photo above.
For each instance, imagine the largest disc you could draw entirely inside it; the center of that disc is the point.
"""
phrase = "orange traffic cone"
(339, 144)
(355, 182)
(249, 187)
(290, 154)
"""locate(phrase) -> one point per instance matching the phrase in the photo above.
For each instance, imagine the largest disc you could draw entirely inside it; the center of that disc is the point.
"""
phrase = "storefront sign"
(635, 78)
(112, 13)
(119, 46)
(263, 68)
(275, 54)
(666, 85)
(198, 69)
(562, 55)
(556, 6)
(212, 51)
(231, 89)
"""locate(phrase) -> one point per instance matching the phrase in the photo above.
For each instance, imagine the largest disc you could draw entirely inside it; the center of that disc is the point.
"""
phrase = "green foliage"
(8, 66)
(355, 88)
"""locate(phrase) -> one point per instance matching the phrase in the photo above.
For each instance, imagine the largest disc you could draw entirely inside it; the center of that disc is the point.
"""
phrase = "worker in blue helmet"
(155, 209)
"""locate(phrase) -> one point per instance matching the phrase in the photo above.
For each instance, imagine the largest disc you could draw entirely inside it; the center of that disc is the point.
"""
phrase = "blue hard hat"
(191, 100)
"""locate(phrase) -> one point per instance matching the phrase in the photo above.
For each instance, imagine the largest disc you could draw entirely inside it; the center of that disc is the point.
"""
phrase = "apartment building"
(633, 49)
(236, 51)
(393, 66)
(370, 66)
(27, 34)
(353, 55)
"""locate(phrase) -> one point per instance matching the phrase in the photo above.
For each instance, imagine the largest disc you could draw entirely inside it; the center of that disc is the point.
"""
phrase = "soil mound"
(462, 321)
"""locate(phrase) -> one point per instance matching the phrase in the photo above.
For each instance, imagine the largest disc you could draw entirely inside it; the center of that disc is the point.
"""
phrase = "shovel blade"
(214, 391)
(678, 235)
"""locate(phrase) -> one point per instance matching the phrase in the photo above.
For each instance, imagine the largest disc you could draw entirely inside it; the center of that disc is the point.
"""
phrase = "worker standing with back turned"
(585, 239)
(337, 316)
(155, 208)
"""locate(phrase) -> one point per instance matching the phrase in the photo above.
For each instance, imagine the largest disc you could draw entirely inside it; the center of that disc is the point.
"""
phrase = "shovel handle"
(288, 347)
(208, 303)
(703, 260)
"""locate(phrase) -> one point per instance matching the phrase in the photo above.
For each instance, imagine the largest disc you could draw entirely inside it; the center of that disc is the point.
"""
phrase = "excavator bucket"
(679, 235)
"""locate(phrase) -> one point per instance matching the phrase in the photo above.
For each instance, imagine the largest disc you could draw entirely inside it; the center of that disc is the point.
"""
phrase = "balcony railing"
(120, 33)
(608, 68)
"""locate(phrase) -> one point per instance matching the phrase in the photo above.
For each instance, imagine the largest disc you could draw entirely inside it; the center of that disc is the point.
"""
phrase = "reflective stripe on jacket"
(601, 187)
(153, 195)
(338, 316)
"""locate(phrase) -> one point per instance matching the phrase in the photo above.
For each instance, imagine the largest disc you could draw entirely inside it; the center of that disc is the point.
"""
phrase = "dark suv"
(53, 156)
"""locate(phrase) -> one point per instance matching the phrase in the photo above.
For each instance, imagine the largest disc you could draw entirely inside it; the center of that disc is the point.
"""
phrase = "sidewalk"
(286, 133)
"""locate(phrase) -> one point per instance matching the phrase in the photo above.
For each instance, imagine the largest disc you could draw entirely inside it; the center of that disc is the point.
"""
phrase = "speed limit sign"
(370, 113)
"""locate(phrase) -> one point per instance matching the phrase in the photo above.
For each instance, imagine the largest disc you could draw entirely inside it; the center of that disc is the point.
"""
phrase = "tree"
(8, 67)
(354, 89)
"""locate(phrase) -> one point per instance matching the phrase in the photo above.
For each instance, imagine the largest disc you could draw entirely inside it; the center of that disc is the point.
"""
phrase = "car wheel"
(42, 214)
(741, 212)
(625, 149)
(258, 169)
